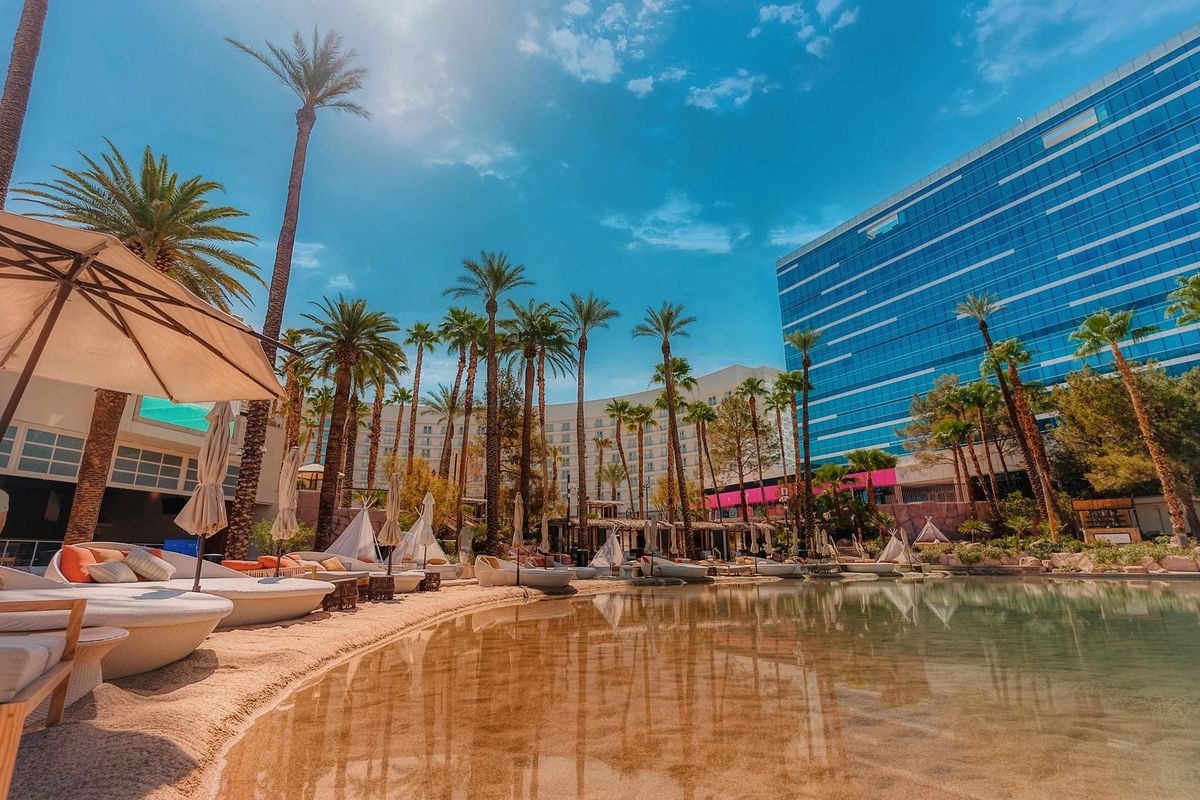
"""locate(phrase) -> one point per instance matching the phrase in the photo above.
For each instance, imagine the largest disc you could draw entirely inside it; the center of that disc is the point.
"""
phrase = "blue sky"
(644, 149)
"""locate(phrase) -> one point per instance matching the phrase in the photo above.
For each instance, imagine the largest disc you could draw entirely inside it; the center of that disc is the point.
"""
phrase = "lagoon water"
(962, 688)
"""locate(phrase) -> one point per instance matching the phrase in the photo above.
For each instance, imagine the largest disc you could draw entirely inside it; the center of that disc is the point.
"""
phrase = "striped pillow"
(149, 566)
(112, 572)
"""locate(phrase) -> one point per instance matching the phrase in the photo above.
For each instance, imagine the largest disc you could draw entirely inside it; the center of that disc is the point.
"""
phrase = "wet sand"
(158, 735)
(955, 689)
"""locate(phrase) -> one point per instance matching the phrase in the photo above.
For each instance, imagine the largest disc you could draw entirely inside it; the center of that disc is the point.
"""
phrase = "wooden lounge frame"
(52, 683)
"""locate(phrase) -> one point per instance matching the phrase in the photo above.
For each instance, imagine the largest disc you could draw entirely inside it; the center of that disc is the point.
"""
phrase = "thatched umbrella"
(204, 513)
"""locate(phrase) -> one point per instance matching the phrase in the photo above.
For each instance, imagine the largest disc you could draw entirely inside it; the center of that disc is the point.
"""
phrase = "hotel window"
(49, 453)
(6, 445)
(146, 468)
(884, 225)
(424, 454)
(1073, 126)
(427, 429)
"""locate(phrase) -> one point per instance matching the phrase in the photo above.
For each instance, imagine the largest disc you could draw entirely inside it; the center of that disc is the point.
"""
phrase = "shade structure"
(358, 540)
(390, 533)
(518, 539)
(419, 544)
(77, 306)
(204, 513)
(610, 553)
(898, 551)
(651, 534)
(930, 533)
(286, 525)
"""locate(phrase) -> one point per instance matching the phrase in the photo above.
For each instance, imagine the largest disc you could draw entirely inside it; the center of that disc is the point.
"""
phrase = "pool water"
(962, 688)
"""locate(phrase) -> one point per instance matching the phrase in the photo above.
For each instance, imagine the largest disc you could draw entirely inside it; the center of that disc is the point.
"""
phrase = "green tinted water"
(954, 689)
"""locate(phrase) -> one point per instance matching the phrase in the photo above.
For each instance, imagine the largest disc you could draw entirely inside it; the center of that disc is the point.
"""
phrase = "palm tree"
(956, 405)
(343, 333)
(664, 323)
(1185, 301)
(322, 74)
(979, 307)
(556, 353)
(612, 474)
(977, 400)
(486, 280)
(704, 415)
(167, 220)
(751, 389)
(478, 334)
(780, 399)
(804, 341)
(601, 443)
(400, 397)
(833, 476)
(639, 418)
(321, 403)
(582, 316)
(423, 337)
(950, 433)
(444, 405)
(695, 414)
(1108, 330)
(457, 331)
(21, 63)
(296, 373)
(684, 382)
(788, 384)
(381, 376)
(618, 411)
(1010, 355)
(355, 411)
(870, 461)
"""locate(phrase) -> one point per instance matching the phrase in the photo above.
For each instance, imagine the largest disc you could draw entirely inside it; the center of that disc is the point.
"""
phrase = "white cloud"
(1011, 37)
(848, 18)
(792, 14)
(307, 255)
(803, 230)
(825, 8)
(676, 225)
(644, 86)
(595, 48)
(340, 282)
(737, 88)
(490, 161)
(819, 46)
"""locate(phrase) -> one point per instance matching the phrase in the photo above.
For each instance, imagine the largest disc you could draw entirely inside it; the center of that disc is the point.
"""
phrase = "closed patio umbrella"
(389, 535)
(518, 539)
(425, 536)
(286, 525)
(545, 544)
(77, 306)
(204, 513)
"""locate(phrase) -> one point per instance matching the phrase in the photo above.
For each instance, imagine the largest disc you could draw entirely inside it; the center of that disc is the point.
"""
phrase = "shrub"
(873, 547)
(975, 528)
(260, 537)
(1041, 548)
(990, 550)
(934, 552)
(968, 553)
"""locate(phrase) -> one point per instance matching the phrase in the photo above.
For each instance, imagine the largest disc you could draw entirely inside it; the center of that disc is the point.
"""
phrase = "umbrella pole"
(278, 557)
(390, 551)
(39, 344)
(199, 562)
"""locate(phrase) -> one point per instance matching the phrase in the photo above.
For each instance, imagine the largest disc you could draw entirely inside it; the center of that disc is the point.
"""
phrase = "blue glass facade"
(1092, 203)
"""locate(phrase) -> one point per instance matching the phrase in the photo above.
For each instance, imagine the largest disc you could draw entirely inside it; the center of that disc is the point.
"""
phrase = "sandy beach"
(161, 735)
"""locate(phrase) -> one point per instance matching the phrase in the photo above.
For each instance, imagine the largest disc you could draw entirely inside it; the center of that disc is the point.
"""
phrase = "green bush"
(968, 553)
(974, 528)
(990, 550)
(932, 553)
(260, 537)
(873, 547)
(1041, 548)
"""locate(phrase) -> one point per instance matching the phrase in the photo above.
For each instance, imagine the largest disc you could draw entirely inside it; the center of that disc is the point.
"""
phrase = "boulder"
(1065, 559)
(1180, 564)
(1030, 561)
(1010, 561)
(1148, 562)
(1134, 569)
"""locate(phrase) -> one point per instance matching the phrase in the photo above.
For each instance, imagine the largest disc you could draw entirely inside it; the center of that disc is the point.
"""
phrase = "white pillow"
(111, 572)
(148, 565)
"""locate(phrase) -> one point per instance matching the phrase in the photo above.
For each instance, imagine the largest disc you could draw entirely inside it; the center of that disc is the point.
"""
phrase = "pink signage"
(858, 480)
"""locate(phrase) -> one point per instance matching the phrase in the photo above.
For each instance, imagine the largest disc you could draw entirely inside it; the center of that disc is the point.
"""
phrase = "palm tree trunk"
(94, 465)
(1014, 420)
(525, 464)
(416, 397)
(1165, 476)
(448, 443)
(599, 466)
(700, 464)
(670, 481)
(333, 457)
(544, 445)
(320, 436)
(737, 448)
(468, 407)
(673, 427)
(351, 451)
(624, 464)
(1029, 428)
(291, 426)
(809, 522)
(987, 494)
(258, 415)
(580, 438)
(958, 494)
(491, 475)
(762, 495)
(641, 445)
(987, 454)
(26, 44)
(712, 470)
(375, 432)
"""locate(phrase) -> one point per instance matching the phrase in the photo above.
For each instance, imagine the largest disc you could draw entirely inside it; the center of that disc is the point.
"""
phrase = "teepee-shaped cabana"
(358, 540)
(930, 533)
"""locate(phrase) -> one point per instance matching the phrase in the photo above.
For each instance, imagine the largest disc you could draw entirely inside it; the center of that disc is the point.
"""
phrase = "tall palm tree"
(980, 307)
(15, 100)
(612, 474)
(639, 418)
(343, 333)
(478, 339)
(956, 405)
(618, 411)
(664, 323)
(556, 354)
(356, 409)
(457, 331)
(321, 73)
(704, 415)
(296, 373)
(400, 397)
(582, 316)
(422, 336)
(694, 414)
(788, 384)
(486, 280)
(975, 400)
(321, 403)
(751, 389)
(950, 432)
(168, 221)
(444, 406)
(870, 461)
(1009, 356)
(601, 443)
(380, 377)
(1111, 330)
(684, 382)
(779, 399)
(804, 341)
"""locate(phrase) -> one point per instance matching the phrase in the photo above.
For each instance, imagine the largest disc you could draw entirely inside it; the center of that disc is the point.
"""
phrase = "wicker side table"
(431, 583)
(344, 596)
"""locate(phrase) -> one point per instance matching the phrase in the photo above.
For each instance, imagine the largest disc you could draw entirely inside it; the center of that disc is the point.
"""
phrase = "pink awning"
(858, 480)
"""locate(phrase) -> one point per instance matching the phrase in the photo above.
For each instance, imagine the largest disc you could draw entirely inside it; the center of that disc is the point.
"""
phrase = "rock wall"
(910, 517)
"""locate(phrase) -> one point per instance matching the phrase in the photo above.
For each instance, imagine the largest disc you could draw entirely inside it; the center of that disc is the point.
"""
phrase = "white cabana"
(897, 550)
(358, 540)
(610, 554)
(420, 544)
(930, 533)
(204, 513)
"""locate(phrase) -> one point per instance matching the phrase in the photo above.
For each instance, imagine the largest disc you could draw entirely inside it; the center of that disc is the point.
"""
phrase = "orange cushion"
(103, 554)
(269, 561)
(241, 566)
(333, 564)
(74, 561)
(154, 551)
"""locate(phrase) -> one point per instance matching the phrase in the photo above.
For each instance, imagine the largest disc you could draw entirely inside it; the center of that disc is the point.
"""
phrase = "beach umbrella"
(204, 513)
(286, 525)
(545, 548)
(390, 534)
(77, 306)
(518, 540)
(769, 547)
(650, 532)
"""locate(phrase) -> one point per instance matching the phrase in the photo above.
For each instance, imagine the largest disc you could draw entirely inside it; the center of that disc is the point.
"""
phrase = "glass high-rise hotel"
(1094, 202)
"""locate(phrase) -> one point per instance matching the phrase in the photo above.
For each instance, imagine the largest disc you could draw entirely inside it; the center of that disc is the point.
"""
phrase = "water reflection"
(952, 689)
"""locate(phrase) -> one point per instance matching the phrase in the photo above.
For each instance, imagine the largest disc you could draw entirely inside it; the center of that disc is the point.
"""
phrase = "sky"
(644, 150)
